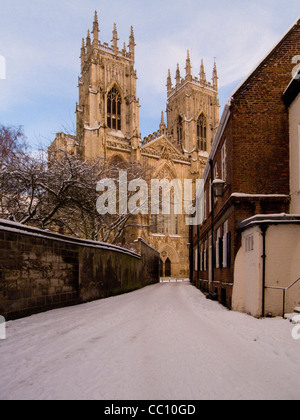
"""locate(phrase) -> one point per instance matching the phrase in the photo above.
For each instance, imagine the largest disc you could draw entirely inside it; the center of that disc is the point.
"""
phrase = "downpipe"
(264, 229)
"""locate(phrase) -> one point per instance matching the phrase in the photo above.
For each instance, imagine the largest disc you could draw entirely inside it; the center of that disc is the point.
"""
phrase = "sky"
(40, 43)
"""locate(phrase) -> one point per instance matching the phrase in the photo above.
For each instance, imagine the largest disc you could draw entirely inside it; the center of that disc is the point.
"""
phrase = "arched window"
(165, 223)
(179, 130)
(114, 102)
(202, 133)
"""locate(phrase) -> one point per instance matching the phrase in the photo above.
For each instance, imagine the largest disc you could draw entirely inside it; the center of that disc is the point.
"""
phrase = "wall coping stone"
(10, 226)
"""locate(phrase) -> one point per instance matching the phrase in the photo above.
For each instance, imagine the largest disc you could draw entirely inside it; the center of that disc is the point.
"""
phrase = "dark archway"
(168, 271)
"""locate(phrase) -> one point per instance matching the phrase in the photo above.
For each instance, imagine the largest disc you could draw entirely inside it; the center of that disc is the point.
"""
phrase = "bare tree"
(12, 141)
(57, 191)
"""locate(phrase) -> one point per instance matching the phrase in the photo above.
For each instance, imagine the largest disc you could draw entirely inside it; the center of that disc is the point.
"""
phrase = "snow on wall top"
(10, 226)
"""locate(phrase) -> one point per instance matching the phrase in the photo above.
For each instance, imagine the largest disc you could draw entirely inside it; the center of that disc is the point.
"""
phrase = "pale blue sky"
(41, 40)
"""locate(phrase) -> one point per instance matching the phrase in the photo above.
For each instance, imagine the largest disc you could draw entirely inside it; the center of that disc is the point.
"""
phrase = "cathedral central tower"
(193, 109)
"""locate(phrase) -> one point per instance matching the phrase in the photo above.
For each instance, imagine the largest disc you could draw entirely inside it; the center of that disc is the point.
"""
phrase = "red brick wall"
(260, 129)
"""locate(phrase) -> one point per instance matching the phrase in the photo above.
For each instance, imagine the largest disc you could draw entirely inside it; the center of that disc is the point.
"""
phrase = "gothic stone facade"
(108, 126)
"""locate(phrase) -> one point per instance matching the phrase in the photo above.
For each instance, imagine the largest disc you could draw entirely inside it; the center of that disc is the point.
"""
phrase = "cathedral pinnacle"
(215, 77)
(169, 81)
(202, 73)
(82, 54)
(188, 67)
(88, 42)
(131, 43)
(115, 39)
(177, 75)
(162, 125)
(95, 30)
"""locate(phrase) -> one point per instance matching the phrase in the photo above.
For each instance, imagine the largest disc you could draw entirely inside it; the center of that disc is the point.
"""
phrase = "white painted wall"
(247, 287)
(294, 116)
(282, 269)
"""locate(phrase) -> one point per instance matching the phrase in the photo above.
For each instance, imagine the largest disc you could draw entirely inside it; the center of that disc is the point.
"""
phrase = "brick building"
(251, 155)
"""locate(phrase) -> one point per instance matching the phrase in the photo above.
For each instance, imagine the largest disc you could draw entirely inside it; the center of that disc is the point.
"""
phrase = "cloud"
(41, 44)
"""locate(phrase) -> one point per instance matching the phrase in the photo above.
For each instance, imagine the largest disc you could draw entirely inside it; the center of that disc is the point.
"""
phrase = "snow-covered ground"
(165, 341)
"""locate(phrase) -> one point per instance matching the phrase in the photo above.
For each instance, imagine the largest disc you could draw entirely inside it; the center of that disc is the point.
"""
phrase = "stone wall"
(40, 270)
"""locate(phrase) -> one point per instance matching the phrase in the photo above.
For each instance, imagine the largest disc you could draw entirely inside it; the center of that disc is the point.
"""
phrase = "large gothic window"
(179, 130)
(114, 109)
(165, 223)
(202, 133)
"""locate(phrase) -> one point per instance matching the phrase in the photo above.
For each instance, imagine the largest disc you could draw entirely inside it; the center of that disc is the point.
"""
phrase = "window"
(201, 258)
(202, 133)
(249, 243)
(179, 130)
(196, 259)
(165, 223)
(225, 244)
(216, 174)
(210, 261)
(205, 256)
(219, 250)
(223, 164)
(114, 109)
(205, 205)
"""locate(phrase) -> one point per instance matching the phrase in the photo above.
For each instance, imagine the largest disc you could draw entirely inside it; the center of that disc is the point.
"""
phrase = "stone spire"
(82, 54)
(115, 39)
(202, 73)
(131, 44)
(188, 67)
(169, 81)
(95, 31)
(88, 42)
(178, 78)
(124, 49)
(215, 77)
(162, 125)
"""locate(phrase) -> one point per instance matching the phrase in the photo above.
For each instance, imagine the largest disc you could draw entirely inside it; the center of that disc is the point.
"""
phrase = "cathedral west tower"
(108, 107)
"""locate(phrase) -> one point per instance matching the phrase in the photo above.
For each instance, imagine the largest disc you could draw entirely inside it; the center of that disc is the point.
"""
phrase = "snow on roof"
(259, 195)
(279, 218)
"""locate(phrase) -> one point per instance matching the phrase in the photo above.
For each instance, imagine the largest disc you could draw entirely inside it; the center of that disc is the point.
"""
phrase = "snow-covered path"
(162, 342)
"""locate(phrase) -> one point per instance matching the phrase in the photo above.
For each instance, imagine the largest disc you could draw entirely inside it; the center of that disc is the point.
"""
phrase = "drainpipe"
(212, 224)
(264, 228)
(191, 252)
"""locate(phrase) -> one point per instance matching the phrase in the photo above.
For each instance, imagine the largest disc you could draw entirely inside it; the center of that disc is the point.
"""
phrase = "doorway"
(168, 268)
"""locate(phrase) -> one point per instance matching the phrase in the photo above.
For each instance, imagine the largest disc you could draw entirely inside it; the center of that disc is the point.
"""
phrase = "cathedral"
(107, 125)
